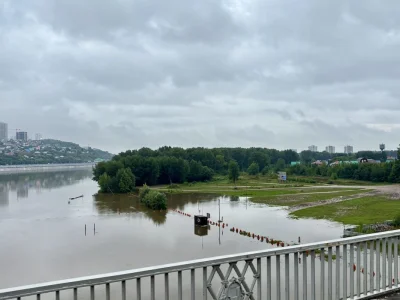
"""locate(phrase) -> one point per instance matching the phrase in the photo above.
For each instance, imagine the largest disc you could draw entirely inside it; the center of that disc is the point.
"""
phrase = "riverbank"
(17, 169)
(345, 203)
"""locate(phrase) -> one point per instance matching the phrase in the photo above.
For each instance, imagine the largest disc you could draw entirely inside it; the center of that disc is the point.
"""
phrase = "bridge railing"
(352, 268)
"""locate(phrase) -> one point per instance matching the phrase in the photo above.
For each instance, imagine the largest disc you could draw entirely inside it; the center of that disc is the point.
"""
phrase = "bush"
(152, 199)
(396, 221)
(143, 192)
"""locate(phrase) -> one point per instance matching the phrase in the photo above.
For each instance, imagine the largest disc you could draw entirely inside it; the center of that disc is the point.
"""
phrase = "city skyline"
(348, 149)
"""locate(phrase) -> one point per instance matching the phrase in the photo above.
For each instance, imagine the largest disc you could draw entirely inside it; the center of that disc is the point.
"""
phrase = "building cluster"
(47, 150)
(19, 134)
(32, 148)
(331, 149)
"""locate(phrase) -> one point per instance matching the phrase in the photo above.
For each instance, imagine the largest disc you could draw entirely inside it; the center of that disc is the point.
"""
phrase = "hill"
(48, 151)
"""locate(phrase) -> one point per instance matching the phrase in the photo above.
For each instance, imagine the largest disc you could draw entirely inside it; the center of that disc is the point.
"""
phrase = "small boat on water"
(81, 196)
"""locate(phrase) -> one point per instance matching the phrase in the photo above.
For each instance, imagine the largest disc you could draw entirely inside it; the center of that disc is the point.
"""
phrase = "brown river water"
(42, 236)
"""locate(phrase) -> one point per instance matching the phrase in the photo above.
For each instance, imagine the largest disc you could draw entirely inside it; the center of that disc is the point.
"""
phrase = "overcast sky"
(119, 74)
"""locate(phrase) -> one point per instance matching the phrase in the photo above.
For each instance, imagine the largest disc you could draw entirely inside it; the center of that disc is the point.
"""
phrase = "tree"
(253, 169)
(104, 182)
(153, 199)
(126, 180)
(395, 173)
(233, 171)
(280, 164)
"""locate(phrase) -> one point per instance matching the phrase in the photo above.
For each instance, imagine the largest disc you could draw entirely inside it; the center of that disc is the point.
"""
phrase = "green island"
(350, 193)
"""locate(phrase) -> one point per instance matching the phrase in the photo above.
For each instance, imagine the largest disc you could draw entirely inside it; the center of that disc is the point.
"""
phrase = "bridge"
(362, 267)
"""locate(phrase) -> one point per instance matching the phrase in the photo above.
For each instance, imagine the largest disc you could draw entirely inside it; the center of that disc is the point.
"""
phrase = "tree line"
(376, 172)
(169, 165)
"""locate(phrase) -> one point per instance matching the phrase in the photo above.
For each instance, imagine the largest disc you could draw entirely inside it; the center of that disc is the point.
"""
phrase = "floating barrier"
(261, 238)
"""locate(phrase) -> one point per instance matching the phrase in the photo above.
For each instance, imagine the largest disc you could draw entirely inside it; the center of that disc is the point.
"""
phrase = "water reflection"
(23, 183)
(130, 204)
(127, 204)
(234, 198)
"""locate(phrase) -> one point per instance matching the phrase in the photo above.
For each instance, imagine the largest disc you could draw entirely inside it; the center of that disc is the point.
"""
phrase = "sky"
(126, 74)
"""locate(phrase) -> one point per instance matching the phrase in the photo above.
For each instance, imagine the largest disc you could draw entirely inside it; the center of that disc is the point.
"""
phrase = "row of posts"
(94, 229)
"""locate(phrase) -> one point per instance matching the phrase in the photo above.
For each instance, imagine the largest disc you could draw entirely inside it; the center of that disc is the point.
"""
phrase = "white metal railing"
(352, 268)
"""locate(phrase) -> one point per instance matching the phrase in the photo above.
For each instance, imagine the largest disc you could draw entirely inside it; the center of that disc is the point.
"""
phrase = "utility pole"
(219, 210)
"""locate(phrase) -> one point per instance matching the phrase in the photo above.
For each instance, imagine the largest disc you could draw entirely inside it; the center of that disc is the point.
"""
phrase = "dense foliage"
(152, 199)
(169, 165)
(308, 156)
(377, 172)
(233, 171)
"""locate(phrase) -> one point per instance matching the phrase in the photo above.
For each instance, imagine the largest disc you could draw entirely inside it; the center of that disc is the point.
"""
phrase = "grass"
(328, 180)
(365, 210)
(295, 200)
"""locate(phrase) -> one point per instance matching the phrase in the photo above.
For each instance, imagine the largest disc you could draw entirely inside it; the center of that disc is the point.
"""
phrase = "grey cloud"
(125, 74)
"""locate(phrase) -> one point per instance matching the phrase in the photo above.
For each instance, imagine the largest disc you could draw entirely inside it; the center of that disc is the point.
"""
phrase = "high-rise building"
(21, 136)
(330, 149)
(348, 149)
(38, 136)
(3, 131)
(313, 148)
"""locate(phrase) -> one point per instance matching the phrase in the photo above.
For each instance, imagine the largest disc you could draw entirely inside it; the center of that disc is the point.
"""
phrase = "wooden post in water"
(85, 229)
(94, 228)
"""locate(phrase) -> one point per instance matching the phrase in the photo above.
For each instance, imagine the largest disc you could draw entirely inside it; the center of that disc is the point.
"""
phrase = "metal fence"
(361, 267)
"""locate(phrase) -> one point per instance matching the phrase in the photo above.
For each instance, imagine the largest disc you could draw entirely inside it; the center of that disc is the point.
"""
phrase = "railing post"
(378, 264)
(204, 283)
(384, 262)
(287, 280)
(166, 280)
(305, 276)
(269, 290)
(296, 276)
(193, 284)
(313, 275)
(278, 277)
(330, 291)
(396, 261)
(258, 278)
(390, 263)
(322, 284)
(365, 274)
(344, 294)
(180, 285)
(358, 268)
(138, 289)
(371, 266)
(337, 272)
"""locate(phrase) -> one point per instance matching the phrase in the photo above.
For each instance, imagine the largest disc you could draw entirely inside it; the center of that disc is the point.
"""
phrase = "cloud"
(127, 74)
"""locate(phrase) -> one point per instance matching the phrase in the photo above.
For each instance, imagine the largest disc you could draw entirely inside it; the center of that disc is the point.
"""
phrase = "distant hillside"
(48, 151)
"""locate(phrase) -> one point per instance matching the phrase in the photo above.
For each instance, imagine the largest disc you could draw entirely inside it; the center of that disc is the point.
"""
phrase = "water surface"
(43, 236)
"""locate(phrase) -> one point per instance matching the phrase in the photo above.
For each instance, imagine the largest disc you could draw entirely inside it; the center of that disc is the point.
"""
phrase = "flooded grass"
(364, 210)
(304, 199)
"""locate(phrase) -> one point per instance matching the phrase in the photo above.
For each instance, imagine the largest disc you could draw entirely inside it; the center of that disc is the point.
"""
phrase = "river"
(43, 238)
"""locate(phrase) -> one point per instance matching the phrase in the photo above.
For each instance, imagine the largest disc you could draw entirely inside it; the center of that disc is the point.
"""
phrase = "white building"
(330, 149)
(313, 148)
(3, 131)
(38, 136)
(348, 149)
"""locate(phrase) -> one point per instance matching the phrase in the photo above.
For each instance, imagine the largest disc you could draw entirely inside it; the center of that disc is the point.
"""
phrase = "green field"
(365, 210)
(304, 199)
(352, 204)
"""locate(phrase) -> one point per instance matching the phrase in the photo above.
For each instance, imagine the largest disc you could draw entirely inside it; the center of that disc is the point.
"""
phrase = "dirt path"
(331, 201)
